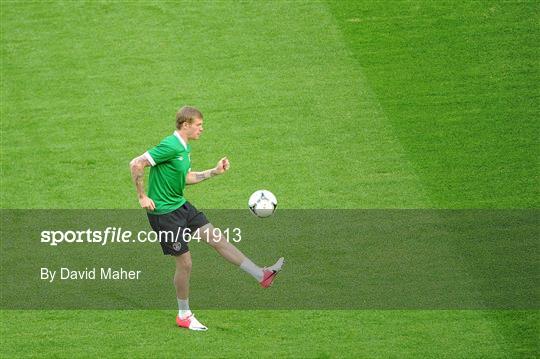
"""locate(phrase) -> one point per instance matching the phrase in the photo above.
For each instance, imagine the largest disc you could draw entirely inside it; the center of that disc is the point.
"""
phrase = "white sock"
(183, 308)
(252, 269)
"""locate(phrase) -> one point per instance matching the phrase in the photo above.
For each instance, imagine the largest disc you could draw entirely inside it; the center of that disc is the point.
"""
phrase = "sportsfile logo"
(118, 235)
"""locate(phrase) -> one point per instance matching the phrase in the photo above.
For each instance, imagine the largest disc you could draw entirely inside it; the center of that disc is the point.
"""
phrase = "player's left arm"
(196, 177)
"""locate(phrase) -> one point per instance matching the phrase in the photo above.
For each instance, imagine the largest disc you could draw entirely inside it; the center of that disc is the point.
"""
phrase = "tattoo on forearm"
(139, 178)
(137, 173)
(201, 176)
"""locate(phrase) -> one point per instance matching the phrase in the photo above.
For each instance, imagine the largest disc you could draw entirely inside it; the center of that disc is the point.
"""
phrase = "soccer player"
(168, 210)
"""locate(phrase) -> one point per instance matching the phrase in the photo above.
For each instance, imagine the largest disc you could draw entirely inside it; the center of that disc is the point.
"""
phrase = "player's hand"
(222, 166)
(147, 203)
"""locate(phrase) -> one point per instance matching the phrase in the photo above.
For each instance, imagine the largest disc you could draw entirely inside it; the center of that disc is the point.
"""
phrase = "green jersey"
(171, 163)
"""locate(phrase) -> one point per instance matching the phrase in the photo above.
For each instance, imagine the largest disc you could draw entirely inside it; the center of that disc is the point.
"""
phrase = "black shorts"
(185, 217)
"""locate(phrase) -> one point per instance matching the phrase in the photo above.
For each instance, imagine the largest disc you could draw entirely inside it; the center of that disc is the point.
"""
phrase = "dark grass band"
(335, 259)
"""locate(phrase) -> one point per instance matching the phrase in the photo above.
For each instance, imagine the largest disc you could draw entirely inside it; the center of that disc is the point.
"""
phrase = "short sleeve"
(161, 153)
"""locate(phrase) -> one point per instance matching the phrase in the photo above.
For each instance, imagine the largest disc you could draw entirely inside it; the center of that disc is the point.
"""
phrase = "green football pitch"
(360, 104)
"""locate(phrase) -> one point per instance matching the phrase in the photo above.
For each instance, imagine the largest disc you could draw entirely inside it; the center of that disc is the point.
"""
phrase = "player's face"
(194, 129)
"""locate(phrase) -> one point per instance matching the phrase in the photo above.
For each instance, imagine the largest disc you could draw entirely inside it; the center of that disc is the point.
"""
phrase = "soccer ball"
(262, 203)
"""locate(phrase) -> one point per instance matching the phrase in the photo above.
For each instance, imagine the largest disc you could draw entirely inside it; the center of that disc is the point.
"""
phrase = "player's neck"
(183, 135)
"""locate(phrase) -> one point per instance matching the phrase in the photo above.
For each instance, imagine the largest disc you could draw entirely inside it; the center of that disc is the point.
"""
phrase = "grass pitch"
(329, 105)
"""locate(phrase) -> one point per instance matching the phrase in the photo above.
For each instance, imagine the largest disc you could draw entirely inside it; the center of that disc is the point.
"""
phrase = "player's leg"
(181, 282)
(227, 250)
(182, 275)
(219, 243)
(179, 250)
(198, 221)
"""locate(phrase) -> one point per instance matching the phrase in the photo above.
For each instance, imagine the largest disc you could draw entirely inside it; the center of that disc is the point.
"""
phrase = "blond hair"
(187, 114)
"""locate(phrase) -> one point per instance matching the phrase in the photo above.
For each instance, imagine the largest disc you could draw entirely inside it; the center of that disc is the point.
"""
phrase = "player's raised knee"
(216, 240)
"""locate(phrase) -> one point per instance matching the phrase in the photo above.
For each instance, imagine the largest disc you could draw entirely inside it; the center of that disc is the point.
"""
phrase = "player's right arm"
(137, 166)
